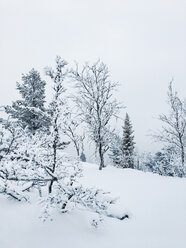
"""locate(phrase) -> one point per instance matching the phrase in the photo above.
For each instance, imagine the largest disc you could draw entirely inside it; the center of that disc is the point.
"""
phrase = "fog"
(141, 41)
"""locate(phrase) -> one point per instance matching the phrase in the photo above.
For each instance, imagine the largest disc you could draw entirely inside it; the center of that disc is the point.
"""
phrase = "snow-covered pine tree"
(30, 111)
(127, 146)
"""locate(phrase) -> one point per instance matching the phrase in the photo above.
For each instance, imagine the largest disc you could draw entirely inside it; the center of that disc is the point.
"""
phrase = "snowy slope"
(156, 205)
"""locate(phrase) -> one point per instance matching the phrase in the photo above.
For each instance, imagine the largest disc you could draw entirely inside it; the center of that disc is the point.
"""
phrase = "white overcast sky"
(143, 42)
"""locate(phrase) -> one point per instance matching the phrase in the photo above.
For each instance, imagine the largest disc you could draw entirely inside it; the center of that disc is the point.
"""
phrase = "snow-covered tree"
(115, 151)
(68, 193)
(22, 167)
(37, 161)
(30, 167)
(72, 129)
(174, 129)
(8, 134)
(30, 112)
(165, 162)
(95, 103)
(127, 146)
(57, 112)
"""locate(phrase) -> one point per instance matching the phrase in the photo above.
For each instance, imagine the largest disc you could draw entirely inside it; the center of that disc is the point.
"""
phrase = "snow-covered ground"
(156, 206)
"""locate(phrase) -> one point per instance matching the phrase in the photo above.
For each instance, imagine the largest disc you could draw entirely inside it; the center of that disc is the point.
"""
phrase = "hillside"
(156, 206)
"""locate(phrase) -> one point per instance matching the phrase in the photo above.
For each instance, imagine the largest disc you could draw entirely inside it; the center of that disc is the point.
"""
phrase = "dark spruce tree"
(30, 111)
(127, 146)
(83, 157)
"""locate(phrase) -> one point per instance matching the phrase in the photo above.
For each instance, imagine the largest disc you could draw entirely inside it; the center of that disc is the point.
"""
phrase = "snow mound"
(155, 205)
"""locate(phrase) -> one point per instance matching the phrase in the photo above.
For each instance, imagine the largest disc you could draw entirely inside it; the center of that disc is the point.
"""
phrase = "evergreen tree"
(83, 157)
(30, 112)
(127, 146)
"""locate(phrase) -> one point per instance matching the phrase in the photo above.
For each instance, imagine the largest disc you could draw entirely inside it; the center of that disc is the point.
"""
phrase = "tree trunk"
(39, 189)
(54, 155)
(101, 157)
(182, 155)
(182, 149)
(50, 186)
(77, 149)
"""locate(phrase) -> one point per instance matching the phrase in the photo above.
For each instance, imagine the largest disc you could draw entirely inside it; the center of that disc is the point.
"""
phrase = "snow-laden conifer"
(30, 112)
(127, 145)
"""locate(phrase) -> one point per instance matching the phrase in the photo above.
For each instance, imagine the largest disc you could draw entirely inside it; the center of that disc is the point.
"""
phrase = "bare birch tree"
(96, 104)
(174, 131)
(72, 129)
